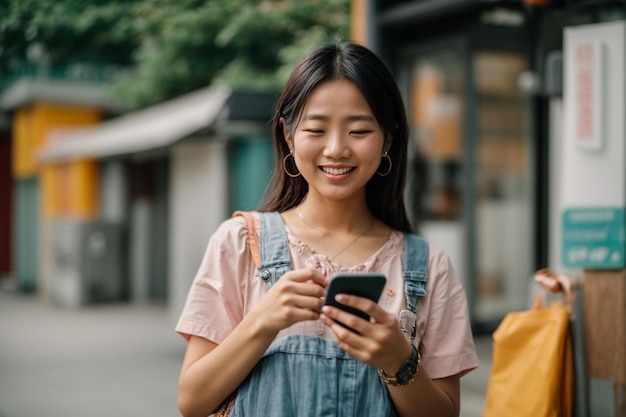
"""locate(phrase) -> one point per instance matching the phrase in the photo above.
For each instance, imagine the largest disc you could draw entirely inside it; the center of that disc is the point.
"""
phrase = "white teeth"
(336, 171)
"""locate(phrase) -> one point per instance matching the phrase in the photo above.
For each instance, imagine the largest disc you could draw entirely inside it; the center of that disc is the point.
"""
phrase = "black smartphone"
(367, 285)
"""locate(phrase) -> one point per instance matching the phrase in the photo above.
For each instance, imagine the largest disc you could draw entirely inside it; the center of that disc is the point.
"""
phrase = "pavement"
(110, 360)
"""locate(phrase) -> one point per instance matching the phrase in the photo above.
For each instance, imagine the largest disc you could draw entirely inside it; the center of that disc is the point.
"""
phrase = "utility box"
(88, 263)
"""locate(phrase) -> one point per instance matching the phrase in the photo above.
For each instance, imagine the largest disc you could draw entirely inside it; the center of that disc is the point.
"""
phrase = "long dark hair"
(384, 195)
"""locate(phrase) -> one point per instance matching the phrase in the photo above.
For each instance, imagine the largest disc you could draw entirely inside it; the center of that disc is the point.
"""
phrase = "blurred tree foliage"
(171, 46)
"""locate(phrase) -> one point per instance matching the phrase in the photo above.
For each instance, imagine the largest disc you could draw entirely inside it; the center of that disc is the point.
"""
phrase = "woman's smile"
(336, 171)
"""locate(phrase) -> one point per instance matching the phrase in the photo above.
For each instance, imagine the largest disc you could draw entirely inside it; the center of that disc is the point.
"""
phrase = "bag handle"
(555, 283)
(253, 241)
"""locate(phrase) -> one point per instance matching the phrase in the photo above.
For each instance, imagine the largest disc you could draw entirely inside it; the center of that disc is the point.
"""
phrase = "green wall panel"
(26, 233)
(251, 163)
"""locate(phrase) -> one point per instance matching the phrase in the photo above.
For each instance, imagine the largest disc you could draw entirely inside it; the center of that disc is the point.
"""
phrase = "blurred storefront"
(119, 208)
(35, 106)
(482, 81)
(167, 176)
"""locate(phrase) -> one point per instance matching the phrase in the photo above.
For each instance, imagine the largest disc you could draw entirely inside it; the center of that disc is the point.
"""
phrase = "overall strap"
(415, 269)
(274, 248)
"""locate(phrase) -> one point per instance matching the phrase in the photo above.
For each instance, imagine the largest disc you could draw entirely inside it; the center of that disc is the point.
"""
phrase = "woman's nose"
(336, 146)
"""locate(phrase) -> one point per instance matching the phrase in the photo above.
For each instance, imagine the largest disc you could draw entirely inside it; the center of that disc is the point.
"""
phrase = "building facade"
(482, 82)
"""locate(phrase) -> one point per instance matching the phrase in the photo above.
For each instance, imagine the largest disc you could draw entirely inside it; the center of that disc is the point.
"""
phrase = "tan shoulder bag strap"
(253, 241)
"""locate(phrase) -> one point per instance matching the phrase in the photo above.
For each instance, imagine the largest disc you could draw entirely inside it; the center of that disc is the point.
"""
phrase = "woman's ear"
(387, 144)
(286, 133)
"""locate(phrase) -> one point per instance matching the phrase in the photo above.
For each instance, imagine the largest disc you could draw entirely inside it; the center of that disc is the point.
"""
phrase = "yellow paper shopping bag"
(532, 374)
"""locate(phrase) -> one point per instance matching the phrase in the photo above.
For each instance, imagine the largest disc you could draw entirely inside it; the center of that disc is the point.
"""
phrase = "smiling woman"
(369, 81)
(261, 342)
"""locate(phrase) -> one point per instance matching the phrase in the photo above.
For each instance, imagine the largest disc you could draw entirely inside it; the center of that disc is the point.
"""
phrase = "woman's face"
(337, 143)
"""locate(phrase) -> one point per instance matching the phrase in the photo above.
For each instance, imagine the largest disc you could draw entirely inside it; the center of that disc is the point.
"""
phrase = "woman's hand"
(296, 296)
(378, 342)
(209, 374)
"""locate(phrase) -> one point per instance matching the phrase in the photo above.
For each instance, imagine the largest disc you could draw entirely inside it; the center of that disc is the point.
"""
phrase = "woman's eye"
(360, 132)
(314, 131)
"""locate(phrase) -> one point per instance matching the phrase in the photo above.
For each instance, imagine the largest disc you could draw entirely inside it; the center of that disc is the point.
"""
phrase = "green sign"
(593, 238)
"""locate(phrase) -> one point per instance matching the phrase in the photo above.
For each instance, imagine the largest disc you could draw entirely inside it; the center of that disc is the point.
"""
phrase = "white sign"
(594, 126)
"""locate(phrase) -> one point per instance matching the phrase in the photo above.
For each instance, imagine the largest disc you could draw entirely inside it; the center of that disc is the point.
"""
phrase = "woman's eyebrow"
(313, 116)
(361, 117)
(352, 118)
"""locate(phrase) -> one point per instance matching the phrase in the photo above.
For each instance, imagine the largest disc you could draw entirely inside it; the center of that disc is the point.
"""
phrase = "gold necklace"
(352, 242)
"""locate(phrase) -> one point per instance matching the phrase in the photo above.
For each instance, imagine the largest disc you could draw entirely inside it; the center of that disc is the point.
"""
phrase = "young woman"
(340, 136)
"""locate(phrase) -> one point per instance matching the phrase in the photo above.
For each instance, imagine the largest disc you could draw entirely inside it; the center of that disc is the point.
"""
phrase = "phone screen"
(366, 285)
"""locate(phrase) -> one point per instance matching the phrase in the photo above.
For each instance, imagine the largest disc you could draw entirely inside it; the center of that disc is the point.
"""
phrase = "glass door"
(470, 186)
(503, 185)
(435, 99)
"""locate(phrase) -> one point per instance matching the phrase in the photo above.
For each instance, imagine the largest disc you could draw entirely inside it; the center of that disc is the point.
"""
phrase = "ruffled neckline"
(324, 264)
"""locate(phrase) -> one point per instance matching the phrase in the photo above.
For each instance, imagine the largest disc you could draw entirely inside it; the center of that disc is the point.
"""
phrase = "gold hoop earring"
(385, 155)
(285, 167)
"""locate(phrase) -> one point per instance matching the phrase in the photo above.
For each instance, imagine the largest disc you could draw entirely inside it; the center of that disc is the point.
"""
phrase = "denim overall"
(310, 376)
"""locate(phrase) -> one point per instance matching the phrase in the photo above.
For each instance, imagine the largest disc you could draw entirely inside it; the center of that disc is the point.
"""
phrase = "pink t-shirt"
(227, 287)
